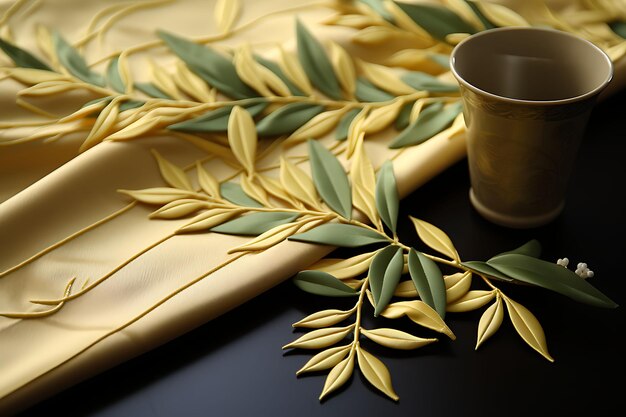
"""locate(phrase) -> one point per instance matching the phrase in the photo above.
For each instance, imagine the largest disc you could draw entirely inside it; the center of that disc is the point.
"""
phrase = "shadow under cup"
(527, 96)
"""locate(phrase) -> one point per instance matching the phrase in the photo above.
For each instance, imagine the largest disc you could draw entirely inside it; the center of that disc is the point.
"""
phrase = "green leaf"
(287, 119)
(530, 248)
(432, 120)
(342, 235)
(316, 64)
(485, 269)
(428, 281)
(619, 28)
(236, 195)
(441, 59)
(480, 15)
(387, 198)
(384, 274)
(330, 179)
(151, 90)
(22, 58)
(552, 277)
(113, 76)
(275, 68)
(366, 91)
(131, 104)
(438, 21)
(341, 132)
(379, 7)
(404, 117)
(322, 283)
(217, 120)
(423, 81)
(255, 223)
(75, 64)
(212, 67)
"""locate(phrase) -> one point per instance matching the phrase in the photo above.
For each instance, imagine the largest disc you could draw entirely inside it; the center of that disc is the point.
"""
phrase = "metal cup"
(527, 96)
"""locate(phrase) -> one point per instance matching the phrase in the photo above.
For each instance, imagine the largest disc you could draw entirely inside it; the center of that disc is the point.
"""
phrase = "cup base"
(514, 222)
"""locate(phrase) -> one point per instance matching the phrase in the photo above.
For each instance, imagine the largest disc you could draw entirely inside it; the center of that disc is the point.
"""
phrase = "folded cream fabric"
(65, 228)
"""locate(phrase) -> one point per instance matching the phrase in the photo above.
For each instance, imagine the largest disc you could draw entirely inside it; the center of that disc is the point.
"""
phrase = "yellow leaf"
(290, 65)
(315, 128)
(416, 109)
(137, 128)
(435, 238)
(207, 182)
(324, 318)
(320, 338)
(406, 289)
(418, 312)
(242, 137)
(376, 373)
(253, 190)
(276, 189)
(377, 35)
(84, 112)
(172, 174)
(355, 21)
(385, 79)
(363, 179)
(34, 76)
(226, 13)
(464, 11)
(103, 125)
(269, 238)
(246, 68)
(490, 322)
(191, 84)
(48, 87)
(382, 117)
(125, 73)
(473, 300)
(223, 152)
(325, 359)
(159, 195)
(163, 81)
(457, 285)
(298, 183)
(344, 67)
(208, 219)
(454, 38)
(414, 59)
(339, 375)
(500, 15)
(528, 327)
(356, 133)
(396, 339)
(179, 208)
(403, 21)
(46, 44)
(345, 268)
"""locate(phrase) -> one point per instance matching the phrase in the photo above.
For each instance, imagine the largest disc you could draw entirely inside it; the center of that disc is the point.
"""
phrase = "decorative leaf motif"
(316, 127)
(500, 15)
(457, 285)
(254, 190)
(376, 372)
(137, 128)
(287, 119)
(178, 208)
(345, 268)
(366, 91)
(342, 235)
(528, 327)
(326, 359)
(531, 248)
(320, 338)
(490, 322)
(552, 277)
(380, 118)
(298, 183)
(428, 281)
(330, 179)
(384, 275)
(75, 64)
(292, 69)
(103, 125)
(212, 67)
(276, 69)
(33, 76)
(435, 238)
(363, 180)
(396, 339)
(322, 283)
(159, 195)
(254, 223)
(387, 197)
(226, 12)
(420, 313)
(191, 84)
(324, 318)
(341, 132)
(209, 219)
(152, 90)
(484, 268)
(344, 68)
(406, 289)
(258, 76)
(22, 58)
(339, 375)
(383, 78)
(113, 75)
(316, 63)
(473, 300)
(207, 182)
(438, 21)
(422, 81)
(242, 137)
(269, 238)
(431, 121)
(235, 194)
(217, 120)
(173, 175)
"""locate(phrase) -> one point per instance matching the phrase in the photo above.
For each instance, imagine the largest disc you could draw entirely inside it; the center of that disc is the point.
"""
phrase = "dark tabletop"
(234, 365)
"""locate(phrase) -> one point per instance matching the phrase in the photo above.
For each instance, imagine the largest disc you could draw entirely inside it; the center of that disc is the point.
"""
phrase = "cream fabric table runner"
(50, 192)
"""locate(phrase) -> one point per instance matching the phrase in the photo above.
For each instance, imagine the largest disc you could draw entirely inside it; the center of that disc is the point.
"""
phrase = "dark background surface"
(234, 365)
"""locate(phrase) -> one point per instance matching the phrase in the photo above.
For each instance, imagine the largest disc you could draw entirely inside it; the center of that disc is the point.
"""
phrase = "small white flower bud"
(582, 265)
(589, 273)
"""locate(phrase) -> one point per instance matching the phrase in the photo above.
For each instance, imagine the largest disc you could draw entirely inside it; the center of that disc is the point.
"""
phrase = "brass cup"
(527, 96)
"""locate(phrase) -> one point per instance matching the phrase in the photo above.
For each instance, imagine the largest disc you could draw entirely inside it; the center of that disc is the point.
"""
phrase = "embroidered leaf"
(342, 235)
(422, 81)
(226, 12)
(179, 208)
(428, 281)
(324, 318)
(490, 322)
(217, 120)
(235, 194)
(366, 91)
(457, 285)
(287, 119)
(209, 219)
(254, 223)
(298, 183)
(384, 275)
(326, 359)
(320, 338)
(75, 64)
(207, 182)
(387, 198)
(341, 133)
(431, 121)
(316, 63)
(485, 269)
(473, 300)
(438, 21)
(113, 76)
(330, 179)
(395, 339)
(173, 175)
(242, 137)
(552, 277)
(159, 195)
(435, 238)
(212, 67)
(420, 313)
(363, 180)
(22, 58)
(375, 372)
(528, 327)
(322, 283)
(339, 375)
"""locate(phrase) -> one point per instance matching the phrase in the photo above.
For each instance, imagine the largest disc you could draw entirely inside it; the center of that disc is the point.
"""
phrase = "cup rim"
(567, 100)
